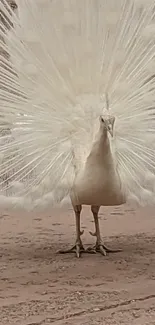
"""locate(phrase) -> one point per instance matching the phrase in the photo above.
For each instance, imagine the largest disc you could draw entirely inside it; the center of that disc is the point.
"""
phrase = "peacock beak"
(111, 132)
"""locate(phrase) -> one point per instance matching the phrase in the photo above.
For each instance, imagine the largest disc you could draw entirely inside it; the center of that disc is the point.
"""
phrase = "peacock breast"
(98, 186)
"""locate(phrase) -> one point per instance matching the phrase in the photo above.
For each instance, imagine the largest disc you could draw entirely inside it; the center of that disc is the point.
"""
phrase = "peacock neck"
(103, 136)
(101, 147)
(102, 139)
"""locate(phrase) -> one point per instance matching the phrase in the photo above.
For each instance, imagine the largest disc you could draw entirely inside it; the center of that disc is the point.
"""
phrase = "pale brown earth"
(39, 287)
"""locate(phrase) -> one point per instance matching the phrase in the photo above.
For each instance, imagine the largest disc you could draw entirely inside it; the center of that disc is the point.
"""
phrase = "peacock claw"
(92, 233)
(78, 249)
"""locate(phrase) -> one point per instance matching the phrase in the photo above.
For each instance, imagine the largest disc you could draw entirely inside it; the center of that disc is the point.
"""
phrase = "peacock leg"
(99, 246)
(78, 247)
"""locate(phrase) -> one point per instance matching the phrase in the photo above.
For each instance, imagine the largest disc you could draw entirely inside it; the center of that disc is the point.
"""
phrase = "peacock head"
(107, 122)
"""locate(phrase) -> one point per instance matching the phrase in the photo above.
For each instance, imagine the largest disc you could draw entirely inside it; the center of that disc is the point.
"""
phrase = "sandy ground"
(39, 287)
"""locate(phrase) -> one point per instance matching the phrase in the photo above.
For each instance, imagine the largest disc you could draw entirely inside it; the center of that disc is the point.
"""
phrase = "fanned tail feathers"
(58, 60)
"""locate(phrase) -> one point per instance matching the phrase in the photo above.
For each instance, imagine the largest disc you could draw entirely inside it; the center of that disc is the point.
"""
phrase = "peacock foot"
(101, 248)
(78, 248)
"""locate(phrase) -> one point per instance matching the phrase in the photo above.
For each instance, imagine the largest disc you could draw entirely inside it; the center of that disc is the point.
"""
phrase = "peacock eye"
(102, 119)
(13, 5)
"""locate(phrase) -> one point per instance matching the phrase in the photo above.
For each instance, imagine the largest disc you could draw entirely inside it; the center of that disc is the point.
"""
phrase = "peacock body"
(77, 96)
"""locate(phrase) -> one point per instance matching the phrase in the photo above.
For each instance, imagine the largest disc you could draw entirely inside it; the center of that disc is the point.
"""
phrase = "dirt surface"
(39, 287)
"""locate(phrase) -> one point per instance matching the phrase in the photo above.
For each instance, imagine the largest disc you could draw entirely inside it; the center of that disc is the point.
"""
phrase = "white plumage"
(78, 95)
